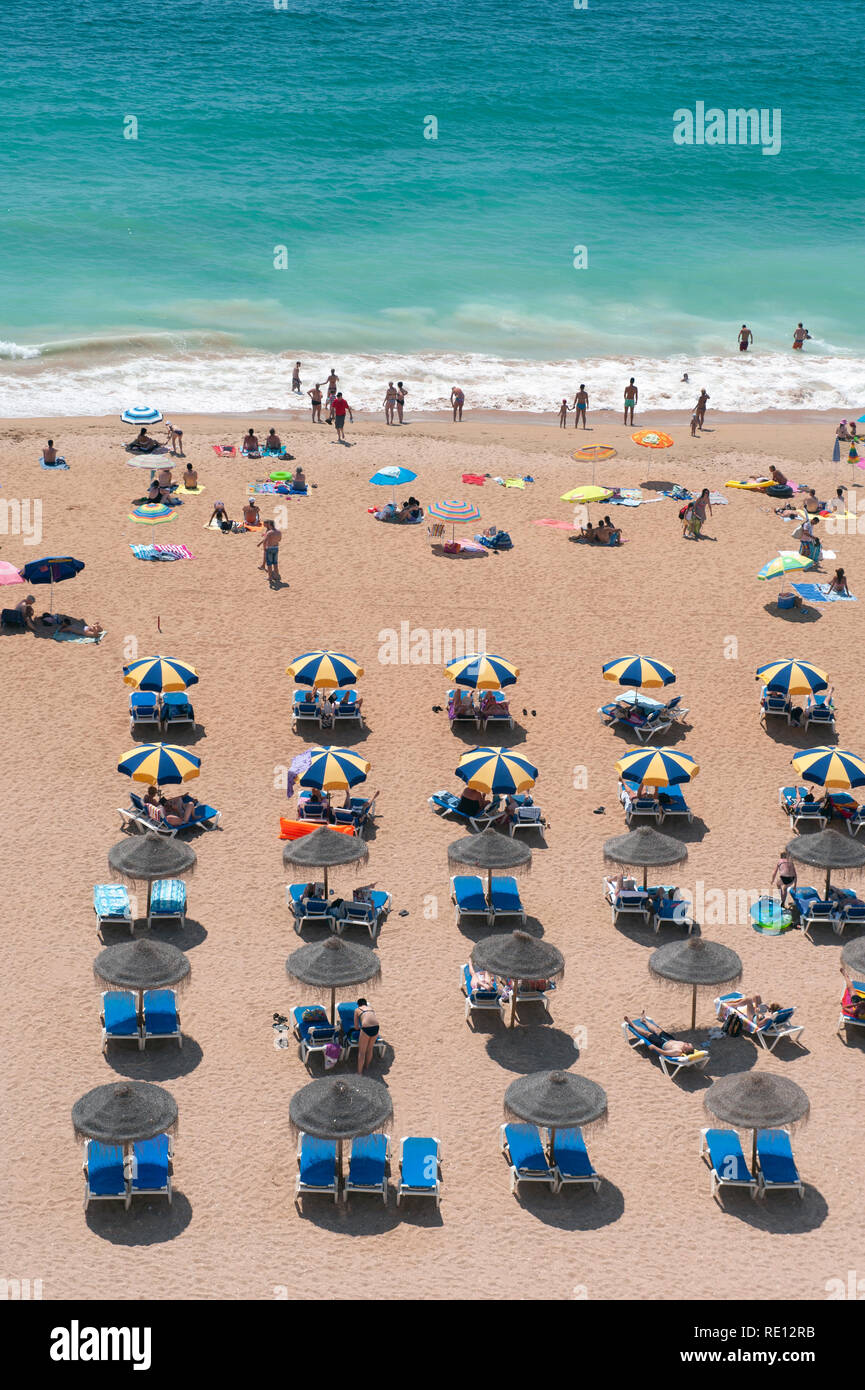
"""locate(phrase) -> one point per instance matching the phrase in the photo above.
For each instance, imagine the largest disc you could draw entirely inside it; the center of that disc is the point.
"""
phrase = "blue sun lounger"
(344, 708)
(673, 803)
(112, 906)
(524, 1151)
(813, 910)
(355, 913)
(317, 1166)
(150, 1168)
(673, 912)
(160, 1017)
(167, 901)
(304, 707)
(318, 910)
(798, 810)
(723, 1153)
(469, 899)
(505, 899)
(367, 1169)
(480, 1000)
(446, 803)
(313, 1034)
(104, 1174)
(775, 1162)
(119, 1018)
(567, 1153)
(670, 1063)
(176, 709)
(419, 1169)
(143, 709)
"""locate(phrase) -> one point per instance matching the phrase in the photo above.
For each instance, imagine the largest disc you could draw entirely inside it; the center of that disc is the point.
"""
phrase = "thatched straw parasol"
(324, 849)
(340, 1108)
(556, 1100)
(333, 964)
(695, 962)
(124, 1113)
(757, 1100)
(645, 849)
(491, 851)
(142, 965)
(827, 850)
(518, 956)
(148, 858)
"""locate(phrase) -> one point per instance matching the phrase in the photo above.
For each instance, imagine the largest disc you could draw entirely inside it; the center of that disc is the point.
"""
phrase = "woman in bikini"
(838, 584)
(366, 1022)
(315, 399)
(389, 403)
(785, 872)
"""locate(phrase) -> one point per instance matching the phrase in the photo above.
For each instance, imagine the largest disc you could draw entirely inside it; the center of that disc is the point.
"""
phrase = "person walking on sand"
(295, 379)
(174, 437)
(401, 393)
(563, 414)
(270, 543)
(746, 338)
(389, 403)
(785, 872)
(700, 408)
(631, 395)
(457, 401)
(581, 405)
(315, 400)
(367, 1025)
(799, 336)
(332, 379)
(339, 406)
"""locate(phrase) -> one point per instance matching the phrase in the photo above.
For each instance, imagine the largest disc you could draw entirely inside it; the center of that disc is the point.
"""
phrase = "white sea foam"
(96, 382)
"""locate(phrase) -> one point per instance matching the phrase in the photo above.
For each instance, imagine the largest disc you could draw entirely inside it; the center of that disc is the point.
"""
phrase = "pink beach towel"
(225, 450)
(550, 521)
(474, 478)
(181, 551)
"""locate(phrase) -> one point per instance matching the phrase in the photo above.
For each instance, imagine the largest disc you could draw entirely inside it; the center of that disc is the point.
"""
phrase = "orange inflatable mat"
(296, 829)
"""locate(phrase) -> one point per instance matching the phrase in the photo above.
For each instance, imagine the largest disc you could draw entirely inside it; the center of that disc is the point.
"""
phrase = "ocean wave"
(16, 351)
(96, 381)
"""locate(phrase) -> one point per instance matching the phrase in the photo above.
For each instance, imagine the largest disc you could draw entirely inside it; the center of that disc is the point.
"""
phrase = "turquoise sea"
(145, 268)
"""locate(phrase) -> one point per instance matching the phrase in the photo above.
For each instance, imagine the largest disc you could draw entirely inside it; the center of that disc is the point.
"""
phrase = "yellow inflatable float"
(751, 484)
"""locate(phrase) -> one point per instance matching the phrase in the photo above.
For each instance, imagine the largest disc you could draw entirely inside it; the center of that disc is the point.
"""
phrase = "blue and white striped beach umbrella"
(141, 415)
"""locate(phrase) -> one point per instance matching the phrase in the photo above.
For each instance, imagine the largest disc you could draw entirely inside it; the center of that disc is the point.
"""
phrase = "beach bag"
(732, 1025)
(332, 1054)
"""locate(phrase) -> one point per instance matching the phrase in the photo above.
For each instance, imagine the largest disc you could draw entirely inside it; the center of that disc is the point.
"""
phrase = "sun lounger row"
(358, 813)
(109, 1176)
(369, 1165)
(468, 710)
(470, 900)
(841, 910)
(820, 812)
(169, 711)
(113, 907)
(537, 1156)
(337, 913)
(480, 999)
(311, 708)
(148, 817)
(776, 1167)
(525, 814)
(665, 805)
(316, 1034)
(121, 1021)
(816, 711)
(768, 1032)
(662, 906)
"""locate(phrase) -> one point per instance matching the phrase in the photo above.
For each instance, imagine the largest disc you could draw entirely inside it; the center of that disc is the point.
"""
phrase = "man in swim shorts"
(631, 394)
(581, 405)
(799, 336)
(746, 338)
(270, 542)
(295, 379)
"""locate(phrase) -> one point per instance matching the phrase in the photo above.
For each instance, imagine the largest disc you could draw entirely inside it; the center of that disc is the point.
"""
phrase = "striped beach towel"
(149, 552)
(177, 552)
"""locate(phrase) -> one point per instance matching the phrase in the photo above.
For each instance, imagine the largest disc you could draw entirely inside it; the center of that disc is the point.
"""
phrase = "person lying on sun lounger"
(482, 979)
(752, 1007)
(345, 699)
(488, 704)
(461, 705)
(853, 1003)
(365, 809)
(623, 883)
(179, 810)
(670, 1047)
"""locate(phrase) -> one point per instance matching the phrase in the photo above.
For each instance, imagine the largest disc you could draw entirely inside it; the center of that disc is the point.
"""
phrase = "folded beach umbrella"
(9, 574)
(789, 677)
(334, 769)
(159, 764)
(657, 767)
(52, 570)
(830, 767)
(324, 670)
(587, 492)
(393, 477)
(638, 671)
(141, 415)
(496, 770)
(482, 672)
(454, 511)
(159, 673)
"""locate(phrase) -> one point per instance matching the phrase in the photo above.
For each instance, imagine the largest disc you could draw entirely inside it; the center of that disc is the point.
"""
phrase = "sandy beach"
(559, 611)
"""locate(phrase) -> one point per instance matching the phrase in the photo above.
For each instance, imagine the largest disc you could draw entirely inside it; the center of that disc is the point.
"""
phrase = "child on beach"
(694, 423)
(563, 415)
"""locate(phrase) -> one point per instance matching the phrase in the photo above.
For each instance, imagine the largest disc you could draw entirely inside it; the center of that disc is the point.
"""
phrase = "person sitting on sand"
(780, 486)
(589, 532)
(142, 443)
(273, 443)
(250, 444)
(410, 511)
(49, 455)
(24, 607)
(190, 478)
(812, 503)
(298, 478)
(838, 583)
(668, 1047)
(251, 514)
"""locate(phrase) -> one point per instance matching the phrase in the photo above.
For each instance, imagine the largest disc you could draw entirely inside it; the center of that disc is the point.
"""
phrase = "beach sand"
(559, 611)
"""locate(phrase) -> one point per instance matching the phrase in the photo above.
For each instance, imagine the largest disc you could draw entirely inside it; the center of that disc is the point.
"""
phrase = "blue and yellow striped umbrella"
(496, 770)
(638, 671)
(483, 672)
(324, 670)
(830, 767)
(159, 673)
(159, 764)
(657, 767)
(790, 677)
(334, 769)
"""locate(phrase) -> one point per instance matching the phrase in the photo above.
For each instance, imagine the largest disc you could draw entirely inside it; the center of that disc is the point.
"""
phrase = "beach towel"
(177, 552)
(150, 552)
(146, 453)
(52, 467)
(515, 482)
(76, 637)
(190, 491)
(816, 593)
(472, 547)
(551, 521)
(476, 478)
(227, 451)
(269, 488)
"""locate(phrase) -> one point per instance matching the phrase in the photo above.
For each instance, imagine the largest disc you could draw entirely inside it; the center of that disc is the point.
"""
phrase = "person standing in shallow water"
(457, 401)
(581, 406)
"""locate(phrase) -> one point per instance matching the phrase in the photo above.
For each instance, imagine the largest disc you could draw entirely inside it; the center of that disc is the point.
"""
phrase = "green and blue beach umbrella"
(334, 769)
(496, 770)
(159, 764)
(324, 670)
(483, 671)
(160, 674)
(782, 564)
(640, 671)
